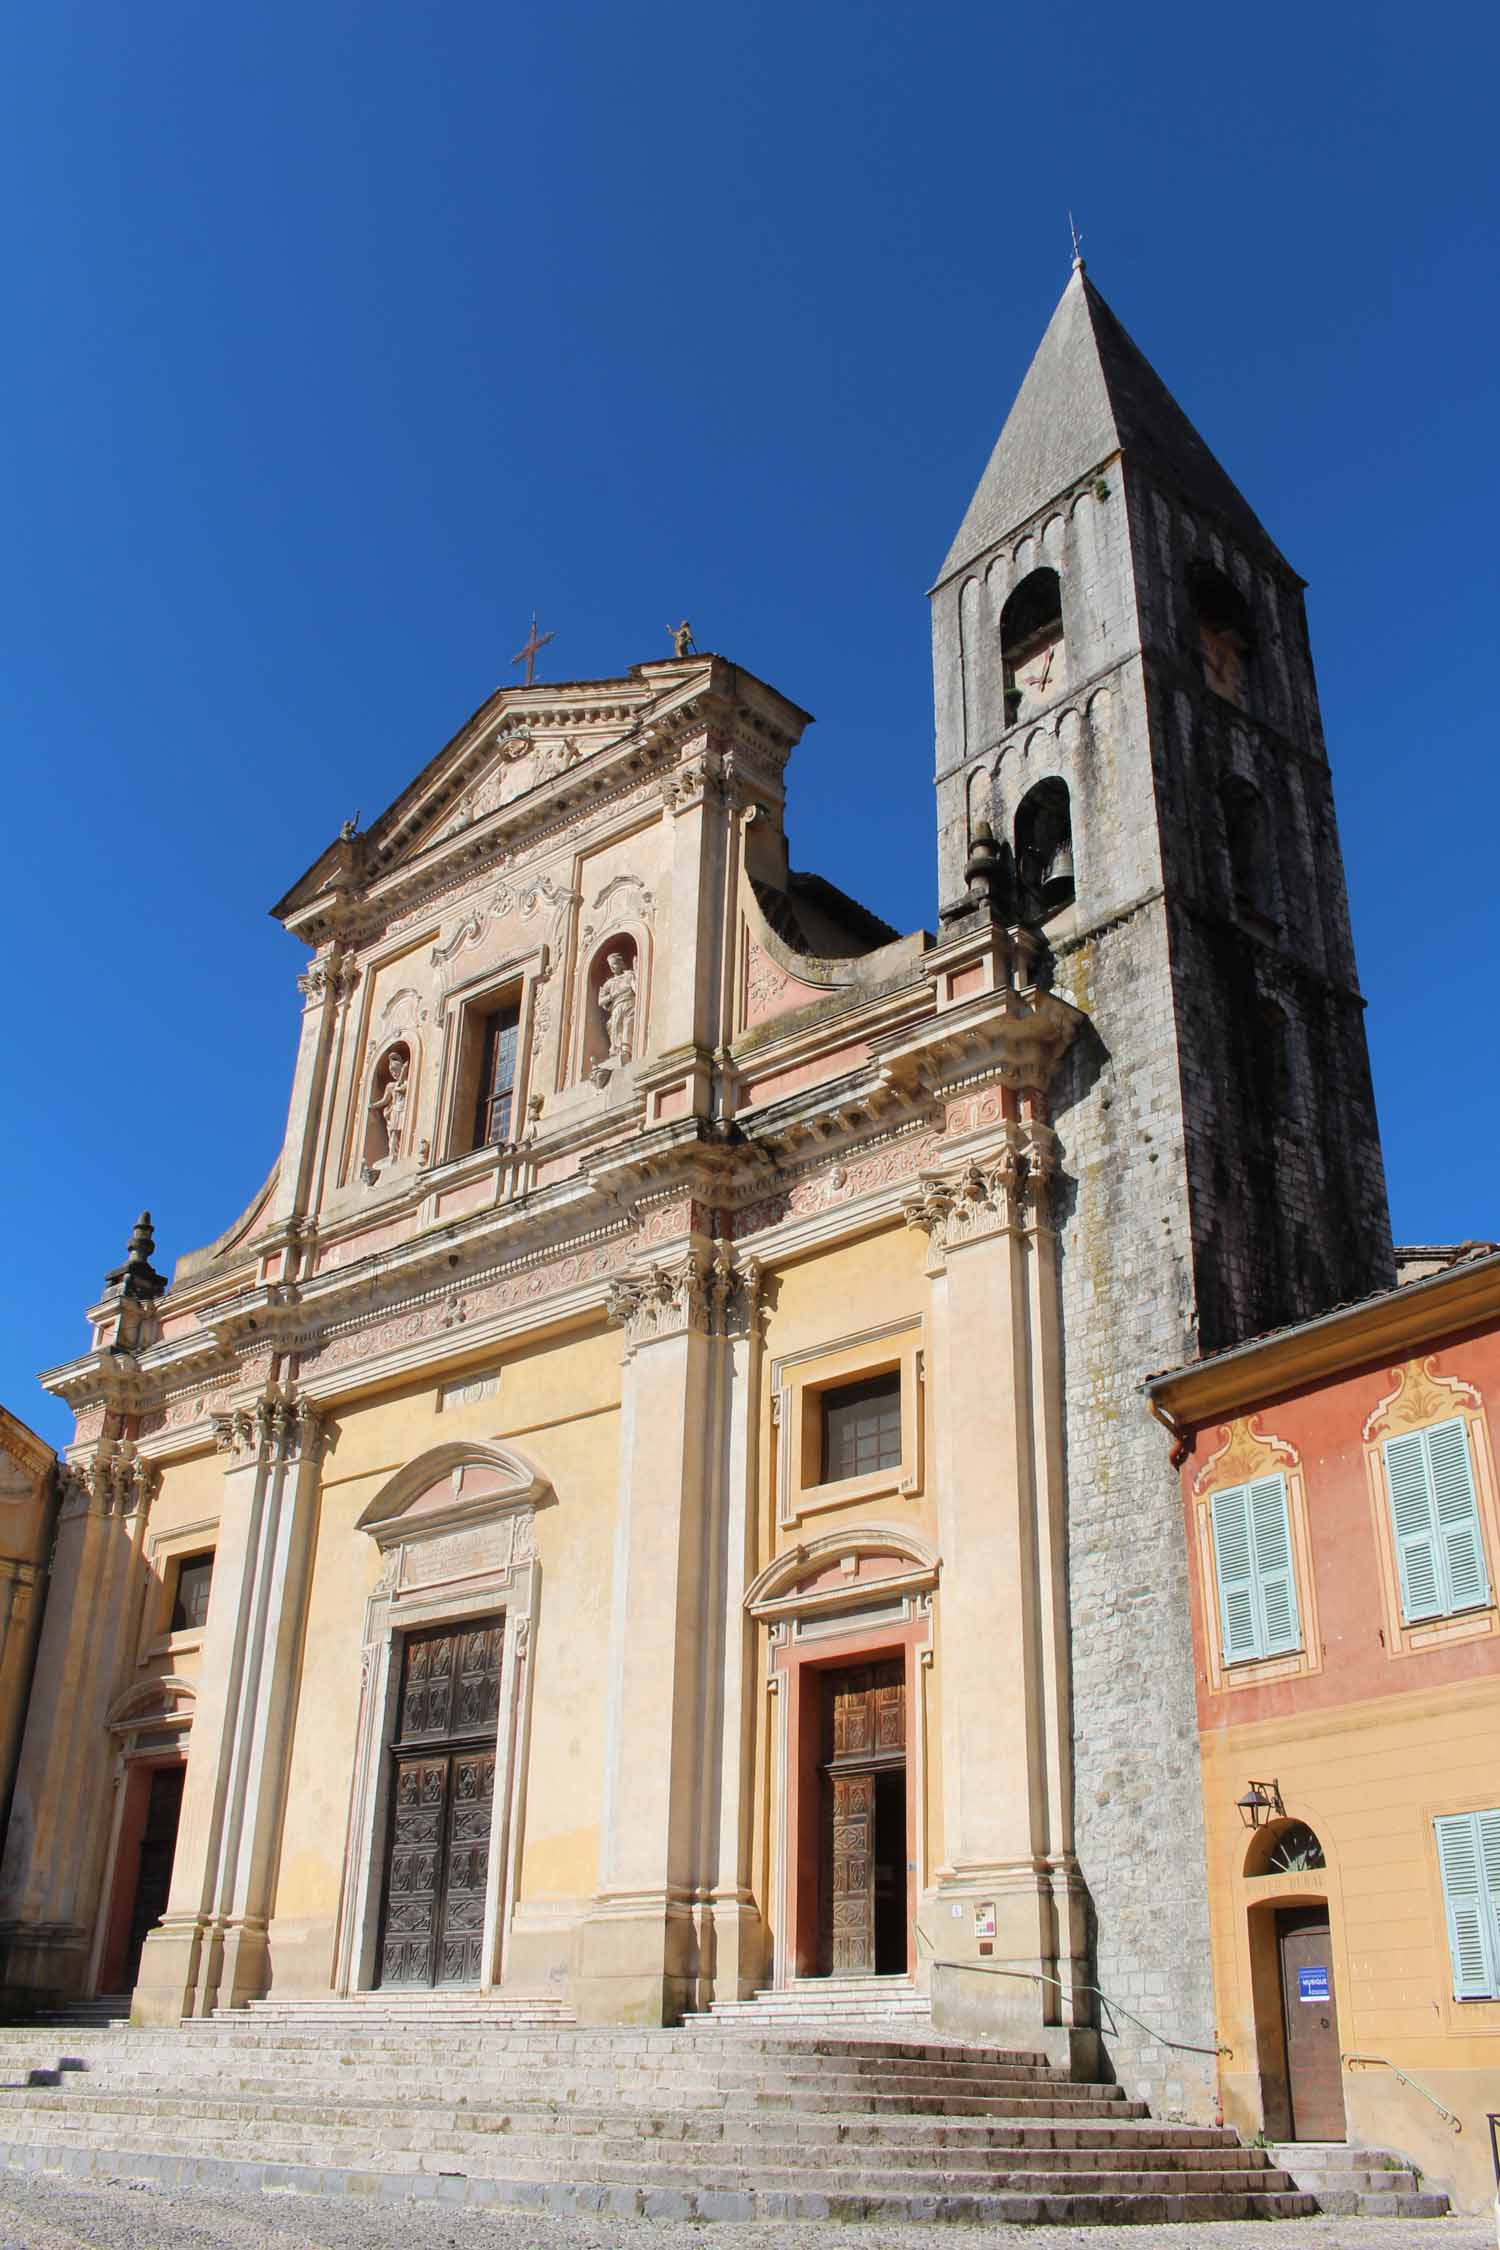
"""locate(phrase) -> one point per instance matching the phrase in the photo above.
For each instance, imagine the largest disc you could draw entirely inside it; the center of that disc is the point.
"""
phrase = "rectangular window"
(1435, 1516)
(861, 1428)
(190, 1594)
(1253, 1565)
(1469, 1857)
(497, 1077)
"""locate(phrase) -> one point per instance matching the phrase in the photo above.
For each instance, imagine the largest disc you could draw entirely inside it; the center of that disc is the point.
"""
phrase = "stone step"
(1366, 2183)
(669, 2200)
(369, 2152)
(687, 2133)
(703, 2079)
(1193, 2146)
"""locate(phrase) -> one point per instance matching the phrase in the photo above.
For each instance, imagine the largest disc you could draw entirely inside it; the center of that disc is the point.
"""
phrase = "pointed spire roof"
(1088, 394)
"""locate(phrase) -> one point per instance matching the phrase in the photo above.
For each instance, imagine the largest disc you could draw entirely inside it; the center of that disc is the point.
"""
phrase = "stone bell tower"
(1130, 757)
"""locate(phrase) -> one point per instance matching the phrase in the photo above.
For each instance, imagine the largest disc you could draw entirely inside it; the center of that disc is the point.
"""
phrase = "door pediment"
(452, 1488)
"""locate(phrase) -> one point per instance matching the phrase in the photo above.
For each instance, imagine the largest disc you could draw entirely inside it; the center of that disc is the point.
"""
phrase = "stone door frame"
(447, 1564)
(879, 1604)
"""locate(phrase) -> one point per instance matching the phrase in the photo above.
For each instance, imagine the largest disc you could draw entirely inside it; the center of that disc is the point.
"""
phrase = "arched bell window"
(1225, 639)
(1044, 850)
(1031, 644)
(1247, 832)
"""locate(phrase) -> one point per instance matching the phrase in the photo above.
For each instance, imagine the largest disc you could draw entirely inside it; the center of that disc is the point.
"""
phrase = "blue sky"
(341, 336)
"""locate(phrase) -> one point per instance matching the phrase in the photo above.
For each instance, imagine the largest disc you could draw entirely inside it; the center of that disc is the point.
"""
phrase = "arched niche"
(389, 1110)
(612, 1013)
(455, 1531)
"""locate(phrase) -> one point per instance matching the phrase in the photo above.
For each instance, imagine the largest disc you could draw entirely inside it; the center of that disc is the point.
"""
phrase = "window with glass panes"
(497, 1077)
(190, 1594)
(861, 1428)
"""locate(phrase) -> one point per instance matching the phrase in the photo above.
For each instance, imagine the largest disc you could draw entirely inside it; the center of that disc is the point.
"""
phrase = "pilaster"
(49, 1883)
(1006, 1714)
(210, 1949)
(671, 1797)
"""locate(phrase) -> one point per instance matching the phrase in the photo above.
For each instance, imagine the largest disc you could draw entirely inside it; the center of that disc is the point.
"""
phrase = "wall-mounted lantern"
(1260, 1803)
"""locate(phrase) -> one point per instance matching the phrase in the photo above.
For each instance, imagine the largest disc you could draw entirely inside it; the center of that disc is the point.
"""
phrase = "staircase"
(701, 2122)
(1364, 2183)
(828, 2003)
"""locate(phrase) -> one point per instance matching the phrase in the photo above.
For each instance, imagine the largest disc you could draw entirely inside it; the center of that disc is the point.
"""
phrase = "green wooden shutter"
(1234, 1567)
(1460, 1541)
(1469, 1857)
(1276, 1588)
(1415, 1521)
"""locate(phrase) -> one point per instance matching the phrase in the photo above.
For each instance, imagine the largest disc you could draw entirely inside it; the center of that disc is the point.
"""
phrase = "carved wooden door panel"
(864, 1735)
(414, 1870)
(472, 1787)
(853, 1874)
(442, 1798)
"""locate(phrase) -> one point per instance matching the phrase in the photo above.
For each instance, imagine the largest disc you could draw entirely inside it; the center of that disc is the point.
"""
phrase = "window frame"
(1420, 1398)
(474, 1009)
(1245, 1456)
(838, 1397)
(798, 1382)
(1265, 1516)
(179, 1564)
(165, 1549)
(1486, 1896)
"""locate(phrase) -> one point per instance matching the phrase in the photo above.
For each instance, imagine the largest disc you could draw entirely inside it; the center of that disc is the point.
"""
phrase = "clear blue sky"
(340, 336)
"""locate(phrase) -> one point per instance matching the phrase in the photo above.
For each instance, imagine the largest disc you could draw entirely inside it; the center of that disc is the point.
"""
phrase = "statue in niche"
(617, 1003)
(390, 1104)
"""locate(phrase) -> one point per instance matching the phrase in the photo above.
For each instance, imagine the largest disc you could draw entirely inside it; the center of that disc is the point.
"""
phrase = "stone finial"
(137, 1278)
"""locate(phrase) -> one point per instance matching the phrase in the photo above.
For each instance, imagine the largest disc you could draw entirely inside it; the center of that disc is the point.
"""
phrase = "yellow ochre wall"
(558, 1404)
(1368, 1778)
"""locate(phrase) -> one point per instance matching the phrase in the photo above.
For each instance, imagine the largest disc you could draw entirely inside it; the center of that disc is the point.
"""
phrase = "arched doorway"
(1293, 1985)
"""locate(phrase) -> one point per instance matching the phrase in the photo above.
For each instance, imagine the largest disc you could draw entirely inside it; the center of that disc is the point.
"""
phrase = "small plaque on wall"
(469, 1390)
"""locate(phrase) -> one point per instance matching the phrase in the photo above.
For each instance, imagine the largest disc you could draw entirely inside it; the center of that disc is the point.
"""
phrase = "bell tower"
(1130, 758)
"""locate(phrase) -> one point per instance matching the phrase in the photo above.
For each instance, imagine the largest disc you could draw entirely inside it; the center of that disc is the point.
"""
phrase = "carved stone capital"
(665, 1300)
(112, 1481)
(1003, 1190)
(331, 978)
(280, 1426)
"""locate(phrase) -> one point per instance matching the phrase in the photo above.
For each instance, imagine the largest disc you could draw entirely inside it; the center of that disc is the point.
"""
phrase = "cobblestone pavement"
(52, 2215)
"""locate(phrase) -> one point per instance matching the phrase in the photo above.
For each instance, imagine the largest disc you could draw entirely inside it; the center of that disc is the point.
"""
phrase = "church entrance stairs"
(809, 2003)
(1360, 2183)
(696, 2122)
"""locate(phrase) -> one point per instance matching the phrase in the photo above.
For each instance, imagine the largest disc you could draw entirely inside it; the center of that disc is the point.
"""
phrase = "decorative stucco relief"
(1418, 1396)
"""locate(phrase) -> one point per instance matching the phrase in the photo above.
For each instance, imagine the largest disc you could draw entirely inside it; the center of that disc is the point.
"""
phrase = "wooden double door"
(442, 1805)
(863, 1890)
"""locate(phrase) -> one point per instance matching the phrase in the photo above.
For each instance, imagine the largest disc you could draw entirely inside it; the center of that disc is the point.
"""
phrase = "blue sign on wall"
(1312, 1984)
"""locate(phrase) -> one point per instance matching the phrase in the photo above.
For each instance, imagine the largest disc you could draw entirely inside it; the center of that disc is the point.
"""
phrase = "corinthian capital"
(111, 1481)
(664, 1300)
(1003, 1190)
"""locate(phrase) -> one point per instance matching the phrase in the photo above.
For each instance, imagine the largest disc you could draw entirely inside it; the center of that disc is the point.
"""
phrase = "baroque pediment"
(450, 1488)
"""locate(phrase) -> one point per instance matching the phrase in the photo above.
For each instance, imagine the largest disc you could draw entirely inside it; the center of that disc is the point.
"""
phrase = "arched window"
(1287, 1847)
(1225, 642)
(1031, 644)
(1247, 832)
(1044, 850)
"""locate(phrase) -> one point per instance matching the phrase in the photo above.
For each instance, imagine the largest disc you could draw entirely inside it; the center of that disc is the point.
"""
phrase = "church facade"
(652, 1499)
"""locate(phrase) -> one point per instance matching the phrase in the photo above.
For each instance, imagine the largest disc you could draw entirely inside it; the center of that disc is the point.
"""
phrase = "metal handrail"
(1033, 1976)
(1383, 2062)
